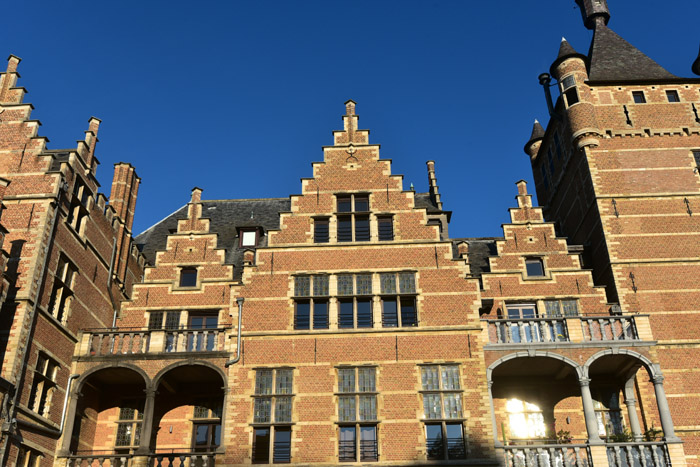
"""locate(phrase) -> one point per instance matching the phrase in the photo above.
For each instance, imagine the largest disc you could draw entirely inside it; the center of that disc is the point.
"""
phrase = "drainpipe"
(109, 282)
(238, 344)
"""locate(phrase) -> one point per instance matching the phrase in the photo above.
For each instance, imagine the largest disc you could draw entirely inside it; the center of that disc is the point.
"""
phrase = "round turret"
(532, 146)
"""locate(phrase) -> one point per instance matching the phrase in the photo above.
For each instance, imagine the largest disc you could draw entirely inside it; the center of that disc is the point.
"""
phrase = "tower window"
(568, 87)
(638, 97)
(672, 96)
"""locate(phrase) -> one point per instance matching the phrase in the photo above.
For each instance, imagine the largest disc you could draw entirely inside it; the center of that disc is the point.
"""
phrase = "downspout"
(50, 430)
(240, 301)
(109, 282)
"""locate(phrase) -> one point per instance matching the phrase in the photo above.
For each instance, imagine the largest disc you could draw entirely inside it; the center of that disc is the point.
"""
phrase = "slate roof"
(611, 58)
(565, 51)
(479, 251)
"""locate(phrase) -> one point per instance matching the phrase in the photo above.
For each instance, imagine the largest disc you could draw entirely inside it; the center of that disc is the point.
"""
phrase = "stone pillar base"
(677, 454)
(60, 462)
(139, 461)
(599, 455)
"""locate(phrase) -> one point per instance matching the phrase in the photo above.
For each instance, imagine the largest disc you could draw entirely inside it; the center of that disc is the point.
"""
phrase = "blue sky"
(239, 97)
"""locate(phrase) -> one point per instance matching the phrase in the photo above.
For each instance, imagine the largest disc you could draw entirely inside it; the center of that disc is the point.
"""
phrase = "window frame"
(272, 425)
(319, 236)
(639, 97)
(189, 270)
(353, 215)
(135, 423)
(673, 96)
(211, 420)
(241, 236)
(362, 453)
(43, 385)
(398, 296)
(312, 300)
(535, 260)
(79, 207)
(383, 235)
(569, 90)
(603, 413)
(355, 297)
(62, 292)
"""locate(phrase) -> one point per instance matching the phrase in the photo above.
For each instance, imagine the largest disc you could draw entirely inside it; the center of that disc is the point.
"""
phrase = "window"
(129, 424)
(62, 292)
(172, 322)
(78, 209)
(638, 97)
(314, 309)
(527, 331)
(442, 406)
(559, 308)
(203, 335)
(353, 218)
(354, 301)
(568, 88)
(385, 226)
(696, 156)
(526, 420)
(28, 457)
(249, 238)
(206, 425)
(188, 277)
(272, 406)
(357, 414)
(534, 267)
(398, 304)
(607, 412)
(672, 96)
(43, 385)
(550, 159)
(321, 230)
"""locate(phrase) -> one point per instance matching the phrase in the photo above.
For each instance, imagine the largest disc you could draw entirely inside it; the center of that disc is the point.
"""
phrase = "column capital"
(584, 381)
(151, 393)
(658, 379)
(630, 401)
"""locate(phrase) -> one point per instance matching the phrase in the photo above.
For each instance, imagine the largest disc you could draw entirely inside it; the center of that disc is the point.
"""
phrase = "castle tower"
(617, 171)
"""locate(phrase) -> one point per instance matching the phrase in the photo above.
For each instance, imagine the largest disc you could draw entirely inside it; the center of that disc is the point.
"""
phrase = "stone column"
(64, 450)
(664, 411)
(496, 441)
(631, 404)
(589, 411)
(147, 423)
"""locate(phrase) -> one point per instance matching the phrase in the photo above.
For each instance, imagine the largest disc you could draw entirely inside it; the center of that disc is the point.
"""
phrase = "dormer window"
(249, 238)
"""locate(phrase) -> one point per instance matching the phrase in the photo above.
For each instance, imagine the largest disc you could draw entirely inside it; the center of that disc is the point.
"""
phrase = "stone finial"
(350, 107)
(196, 195)
(522, 187)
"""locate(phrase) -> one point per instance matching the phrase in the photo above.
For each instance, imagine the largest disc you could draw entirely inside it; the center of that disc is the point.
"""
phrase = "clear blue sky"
(239, 97)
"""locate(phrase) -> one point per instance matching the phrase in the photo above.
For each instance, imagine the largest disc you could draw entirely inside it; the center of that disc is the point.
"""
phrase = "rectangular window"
(129, 424)
(398, 303)
(321, 233)
(559, 308)
(206, 429)
(353, 223)
(442, 404)
(550, 159)
(249, 238)
(557, 145)
(385, 226)
(571, 96)
(44, 384)
(312, 311)
(62, 292)
(354, 303)
(203, 335)
(357, 414)
(545, 180)
(273, 406)
(607, 411)
(79, 205)
(638, 97)
(696, 156)
(534, 267)
(672, 96)
(188, 277)
(28, 457)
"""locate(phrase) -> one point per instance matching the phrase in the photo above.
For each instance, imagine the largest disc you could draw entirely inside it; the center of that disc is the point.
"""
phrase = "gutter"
(239, 301)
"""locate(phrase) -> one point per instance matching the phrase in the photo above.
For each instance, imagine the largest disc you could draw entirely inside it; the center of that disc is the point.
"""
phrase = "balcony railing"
(521, 331)
(435, 449)
(609, 328)
(649, 454)
(548, 455)
(182, 459)
(99, 460)
(104, 342)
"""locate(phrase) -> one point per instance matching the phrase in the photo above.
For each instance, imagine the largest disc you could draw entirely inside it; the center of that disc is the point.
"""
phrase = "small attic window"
(672, 96)
(249, 238)
(638, 97)
(534, 267)
(188, 277)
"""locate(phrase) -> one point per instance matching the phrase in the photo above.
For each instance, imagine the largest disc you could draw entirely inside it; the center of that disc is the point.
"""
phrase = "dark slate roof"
(225, 218)
(612, 58)
(424, 200)
(537, 131)
(479, 251)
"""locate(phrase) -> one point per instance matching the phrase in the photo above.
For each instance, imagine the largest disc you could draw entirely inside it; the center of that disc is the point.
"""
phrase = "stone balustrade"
(547, 455)
(648, 454)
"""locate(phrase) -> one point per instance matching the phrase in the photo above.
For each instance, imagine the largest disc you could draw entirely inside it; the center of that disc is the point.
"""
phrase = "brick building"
(343, 324)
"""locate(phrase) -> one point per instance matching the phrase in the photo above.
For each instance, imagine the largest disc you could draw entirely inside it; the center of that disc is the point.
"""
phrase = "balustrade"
(548, 455)
(99, 460)
(649, 454)
(609, 328)
(520, 331)
(182, 459)
(102, 342)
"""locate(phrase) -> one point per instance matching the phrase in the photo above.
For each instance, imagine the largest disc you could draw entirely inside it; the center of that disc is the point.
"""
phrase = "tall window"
(354, 301)
(272, 415)
(28, 457)
(188, 277)
(206, 430)
(43, 385)
(526, 420)
(78, 209)
(357, 414)
(62, 292)
(442, 406)
(311, 297)
(129, 424)
(557, 145)
(353, 218)
(568, 88)
(385, 225)
(607, 411)
(321, 234)
(545, 179)
(398, 302)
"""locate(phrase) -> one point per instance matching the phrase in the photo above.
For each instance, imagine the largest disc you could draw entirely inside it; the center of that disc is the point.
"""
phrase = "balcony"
(632, 454)
(649, 454)
(574, 329)
(548, 455)
(125, 341)
(172, 459)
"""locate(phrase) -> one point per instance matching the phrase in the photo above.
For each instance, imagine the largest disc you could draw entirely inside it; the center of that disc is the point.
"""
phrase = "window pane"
(320, 314)
(431, 405)
(262, 408)
(672, 96)
(638, 97)
(570, 307)
(345, 284)
(368, 407)
(361, 203)
(389, 316)
(386, 228)
(344, 204)
(552, 308)
(263, 382)
(361, 228)
(368, 443)
(407, 282)
(364, 313)
(453, 405)
(346, 408)
(248, 238)
(534, 267)
(172, 320)
(321, 231)
(346, 380)
(450, 377)
(284, 382)
(302, 319)
(408, 312)
(455, 441)
(568, 82)
(347, 450)
(364, 284)
(344, 229)
(388, 283)
(302, 286)
(188, 278)
(429, 378)
(433, 441)
(283, 409)
(155, 320)
(366, 382)
(282, 446)
(216, 435)
(261, 445)
(320, 286)
(345, 314)
(201, 437)
(200, 411)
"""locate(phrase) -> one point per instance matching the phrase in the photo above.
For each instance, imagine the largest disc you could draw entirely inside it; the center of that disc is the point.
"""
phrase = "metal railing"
(521, 331)
(102, 342)
(548, 455)
(638, 454)
(347, 451)
(368, 450)
(435, 449)
(609, 328)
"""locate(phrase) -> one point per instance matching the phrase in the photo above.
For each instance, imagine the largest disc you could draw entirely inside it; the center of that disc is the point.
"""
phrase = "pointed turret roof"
(696, 65)
(612, 58)
(565, 51)
(537, 131)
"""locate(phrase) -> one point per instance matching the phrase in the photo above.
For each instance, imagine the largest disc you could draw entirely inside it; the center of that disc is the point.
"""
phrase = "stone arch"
(84, 376)
(536, 353)
(159, 376)
(652, 368)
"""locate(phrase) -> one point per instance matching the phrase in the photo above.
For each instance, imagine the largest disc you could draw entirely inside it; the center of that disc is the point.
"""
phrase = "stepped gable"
(225, 218)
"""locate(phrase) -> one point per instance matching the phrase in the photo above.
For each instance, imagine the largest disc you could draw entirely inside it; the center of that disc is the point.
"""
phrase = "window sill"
(268, 424)
(357, 422)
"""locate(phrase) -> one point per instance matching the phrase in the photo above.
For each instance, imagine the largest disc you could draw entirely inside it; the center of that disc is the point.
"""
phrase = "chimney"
(125, 188)
(433, 187)
(8, 93)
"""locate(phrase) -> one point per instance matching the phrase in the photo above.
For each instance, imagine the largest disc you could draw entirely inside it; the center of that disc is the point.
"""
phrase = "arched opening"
(188, 414)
